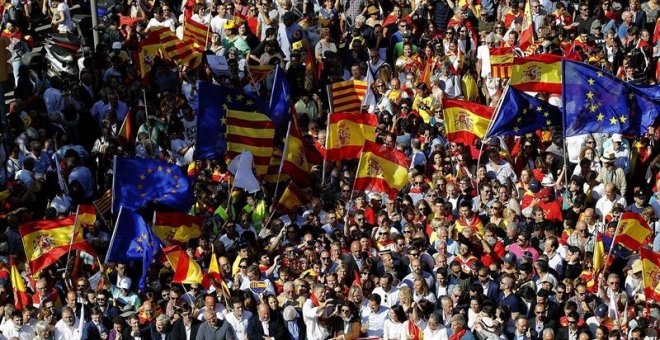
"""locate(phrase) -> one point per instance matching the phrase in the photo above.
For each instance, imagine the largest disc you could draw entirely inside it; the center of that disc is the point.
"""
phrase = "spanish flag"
(537, 73)
(291, 199)
(527, 29)
(21, 298)
(147, 51)
(501, 59)
(295, 158)
(196, 32)
(634, 231)
(186, 270)
(651, 273)
(382, 169)
(250, 131)
(347, 133)
(177, 227)
(465, 121)
(45, 241)
(218, 280)
(86, 215)
(347, 96)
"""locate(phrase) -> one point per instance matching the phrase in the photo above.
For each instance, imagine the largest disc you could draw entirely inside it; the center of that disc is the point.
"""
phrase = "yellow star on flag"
(169, 171)
(600, 74)
(613, 120)
(249, 102)
(548, 122)
(229, 99)
(223, 121)
(623, 119)
(515, 128)
(525, 111)
(631, 95)
(590, 95)
(150, 170)
(142, 177)
(160, 168)
(546, 114)
(591, 81)
(139, 186)
(239, 97)
(539, 109)
(600, 117)
(592, 108)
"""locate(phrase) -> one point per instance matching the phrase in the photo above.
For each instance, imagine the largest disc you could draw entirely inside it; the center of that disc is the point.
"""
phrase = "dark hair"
(400, 313)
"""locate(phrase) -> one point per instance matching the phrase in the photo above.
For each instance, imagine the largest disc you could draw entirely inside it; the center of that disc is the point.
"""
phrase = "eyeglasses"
(325, 258)
(572, 322)
(345, 310)
(407, 231)
(450, 32)
(242, 267)
(414, 254)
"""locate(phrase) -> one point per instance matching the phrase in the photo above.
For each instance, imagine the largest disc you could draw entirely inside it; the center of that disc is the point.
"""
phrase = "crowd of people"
(497, 244)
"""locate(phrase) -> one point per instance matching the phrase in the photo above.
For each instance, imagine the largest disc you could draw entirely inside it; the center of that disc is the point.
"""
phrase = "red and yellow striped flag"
(537, 73)
(104, 203)
(125, 135)
(186, 270)
(183, 53)
(382, 169)
(292, 198)
(527, 29)
(45, 241)
(295, 158)
(634, 231)
(147, 51)
(466, 121)
(196, 32)
(177, 227)
(501, 59)
(250, 131)
(347, 96)
(21, 298)
(651, 274)
(86, 215)
(260, 72)
(347, 133)
(218, 279)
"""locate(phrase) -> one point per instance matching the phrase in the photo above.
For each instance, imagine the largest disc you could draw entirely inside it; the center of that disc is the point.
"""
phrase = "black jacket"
(179, 329)
(276, 329)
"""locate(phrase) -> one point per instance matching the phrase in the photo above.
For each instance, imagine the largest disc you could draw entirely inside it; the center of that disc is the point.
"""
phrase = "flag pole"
(350, 198)
(208, 29)
(114, 179)
(114, 233)
(231, 189)
(612, 245)
(498, 107)
(279, 173)
(327, 131)
(73, 236)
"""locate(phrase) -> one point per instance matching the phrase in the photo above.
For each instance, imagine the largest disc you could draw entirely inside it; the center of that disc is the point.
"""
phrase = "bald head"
(264, 312)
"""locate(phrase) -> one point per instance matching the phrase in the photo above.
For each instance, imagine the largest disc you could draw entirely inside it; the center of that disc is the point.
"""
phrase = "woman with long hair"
(393, 327)
(522, 186)
(421, 290)
(405, 297)
(348, 327)
(413, 328)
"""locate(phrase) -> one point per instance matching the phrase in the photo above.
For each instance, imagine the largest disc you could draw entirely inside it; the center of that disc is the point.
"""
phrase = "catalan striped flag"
(260, 72)
(250, 131)
(295, 158)
(347, 133)
(651, 274)
(45, 241)
(177, 227)
(537, 73)
(104, 203)
(382, 169)
(501, 59)
(634, 231)
(196, 32)
(186, 270)
(218, 279)
(86, 215)
(466, 122)
(292, 198)
(21, 298)
(347, 96)
(183, 53)
(275, 165)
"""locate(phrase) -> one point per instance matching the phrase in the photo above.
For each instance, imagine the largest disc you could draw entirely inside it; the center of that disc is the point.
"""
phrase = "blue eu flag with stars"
(213, 103)
(138, 181)
(520, 113)
(133, 240)
(596, 101)
(279, 109)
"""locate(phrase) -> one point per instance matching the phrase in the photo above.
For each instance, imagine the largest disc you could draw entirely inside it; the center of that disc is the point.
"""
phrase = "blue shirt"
(294, 331)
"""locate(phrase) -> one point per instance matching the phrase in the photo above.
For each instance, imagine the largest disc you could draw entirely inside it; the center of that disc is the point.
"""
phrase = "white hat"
(547, 181)
(616, 137)
(116, 45)
(125, 283)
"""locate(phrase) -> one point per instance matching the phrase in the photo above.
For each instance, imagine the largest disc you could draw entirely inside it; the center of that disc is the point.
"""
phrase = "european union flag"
(213, 103)
(521, 113)
(140, 180)
(279, 109)
(596, 101)
(133, 240)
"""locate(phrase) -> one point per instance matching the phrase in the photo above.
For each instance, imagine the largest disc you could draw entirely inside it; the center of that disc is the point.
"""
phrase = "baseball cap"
(125, 283)
(616, 138)
(509, 258)
(601, 311)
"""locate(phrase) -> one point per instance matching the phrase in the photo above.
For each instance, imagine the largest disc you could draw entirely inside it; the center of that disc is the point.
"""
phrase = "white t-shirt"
(169, 23)
(483, 54)
(185, 159)
(67, 24)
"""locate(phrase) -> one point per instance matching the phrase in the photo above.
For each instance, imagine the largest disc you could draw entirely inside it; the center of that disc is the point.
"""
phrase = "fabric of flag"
(104, 204)
(651, 274)
(213, 103)
(347, 96)
(537, 73)
(465, 122)
(138, 181)
(347, 133)
(86, 215)
(45, 241)
(21, 298)
(259, 72)
(133, 240)
(186, 270)
(177, 227)
(527, 28)
(126, 134)
(274, 174)
(279, 109)
(427, 72)
(250, 131)
(218, 279)
(520, 113)
(634, 231)
(196, 32)
(382, 169)
(147, 51)
(596, 101)
(295, 159)
(183, 53)
(501, 59)
(292, 198)
(241, 168)
(599, 254)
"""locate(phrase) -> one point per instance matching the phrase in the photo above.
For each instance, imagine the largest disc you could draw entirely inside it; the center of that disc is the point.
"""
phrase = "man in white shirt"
(210, 302)
(314, 311)
(15, 328)
(67, 328)
(388, 293)
(238, 318)
(159, 20)
(373, 317)
(607, 202)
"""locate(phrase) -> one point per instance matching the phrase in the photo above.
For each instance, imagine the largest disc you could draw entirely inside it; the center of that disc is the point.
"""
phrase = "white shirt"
(310, 317)
(392, 330)
(169, 23)
(604, 205)
(239, 325)
(387, 299)
(483, 54)
(375, 322)
(219, 312)
(24, 333)
(439, 334)
(67, 24)
(64, 332)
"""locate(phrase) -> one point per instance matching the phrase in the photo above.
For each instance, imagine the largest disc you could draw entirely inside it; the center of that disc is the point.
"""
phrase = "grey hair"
(164, 319)
(435, 316)
(549, 333)
(289, 313)
(40, 326)
(288, 284)
(458, 318)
